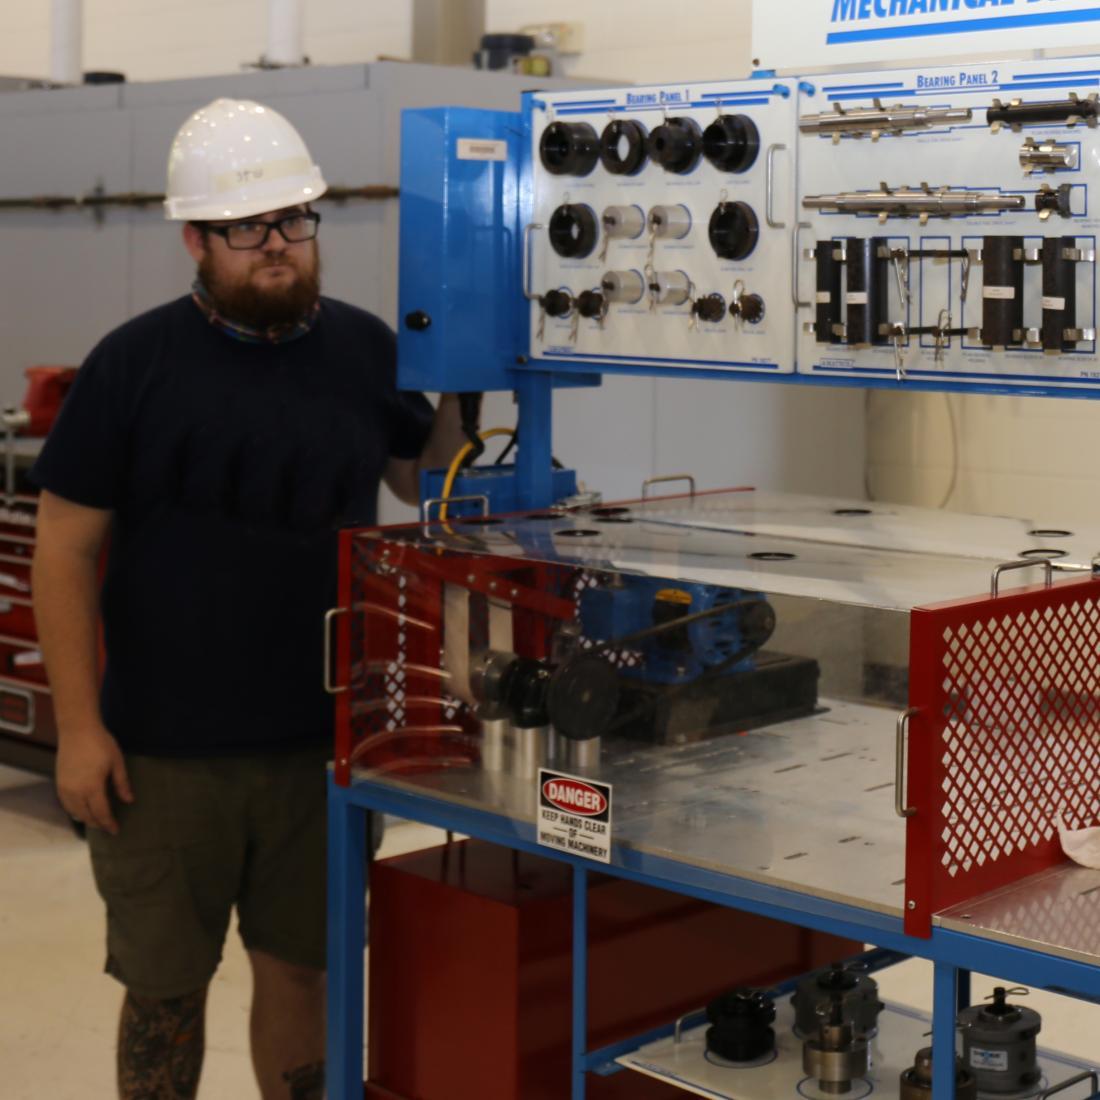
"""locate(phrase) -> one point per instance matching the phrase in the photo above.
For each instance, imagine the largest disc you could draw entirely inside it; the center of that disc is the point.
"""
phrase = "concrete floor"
(58, 1011)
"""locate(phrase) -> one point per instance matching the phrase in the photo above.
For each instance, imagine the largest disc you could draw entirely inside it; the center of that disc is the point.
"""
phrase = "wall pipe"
(285, 33)
(66, 42)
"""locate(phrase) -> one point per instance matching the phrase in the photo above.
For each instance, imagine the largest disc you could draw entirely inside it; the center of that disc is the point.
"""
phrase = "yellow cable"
(456, 465)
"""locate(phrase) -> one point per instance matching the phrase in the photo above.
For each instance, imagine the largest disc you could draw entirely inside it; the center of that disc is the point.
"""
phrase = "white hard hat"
(234, 158)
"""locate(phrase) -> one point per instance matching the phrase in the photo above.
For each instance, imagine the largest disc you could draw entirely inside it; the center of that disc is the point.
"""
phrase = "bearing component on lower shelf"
(856, 991)
(557, 303)
(733, 230)
(569, 148)
(1049, 201)
(1066, 112)
(835, 1055)
(741, 1028)
(573, 231)
(623, 287)
(998, 1042)
(623, 147)
(670, 223)
(676, 145)
(1002, 292)
(623, 222)
(669, 288)
(916, 1082)
(710, 308)
(732, 143)
(592, 305)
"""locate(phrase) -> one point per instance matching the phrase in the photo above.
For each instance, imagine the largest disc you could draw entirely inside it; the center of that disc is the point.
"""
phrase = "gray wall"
(67, 278)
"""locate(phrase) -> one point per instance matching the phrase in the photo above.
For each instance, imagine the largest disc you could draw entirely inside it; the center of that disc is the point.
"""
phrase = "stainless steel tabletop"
(806, 805)
(1056, 912)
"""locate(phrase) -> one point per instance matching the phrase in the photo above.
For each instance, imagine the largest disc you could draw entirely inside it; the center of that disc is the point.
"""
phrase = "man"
(219, 441)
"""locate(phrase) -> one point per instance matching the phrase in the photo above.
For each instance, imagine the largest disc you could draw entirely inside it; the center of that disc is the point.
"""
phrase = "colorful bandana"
(276, 334)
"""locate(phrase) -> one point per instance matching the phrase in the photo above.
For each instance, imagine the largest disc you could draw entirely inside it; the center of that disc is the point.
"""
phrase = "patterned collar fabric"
(276, 334)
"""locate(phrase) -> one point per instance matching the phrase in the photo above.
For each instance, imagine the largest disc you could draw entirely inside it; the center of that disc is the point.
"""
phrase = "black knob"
(676, 145)
(711, 308)
(569, 148)
(556, 303)
(750, 308)
(573, 230)
(623, 147)
(1056, 202)
(591, 304)
(418, 320)
(731, 143)
(733, 230)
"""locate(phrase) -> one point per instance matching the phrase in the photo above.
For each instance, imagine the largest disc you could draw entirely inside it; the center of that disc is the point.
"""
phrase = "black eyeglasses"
(294, 229)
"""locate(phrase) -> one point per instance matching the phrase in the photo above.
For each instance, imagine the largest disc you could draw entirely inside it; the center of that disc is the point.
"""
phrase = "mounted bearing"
(623, 147)
(569, 148)
(733, 230)
(574, 231)
(731, 143)
(676, 145)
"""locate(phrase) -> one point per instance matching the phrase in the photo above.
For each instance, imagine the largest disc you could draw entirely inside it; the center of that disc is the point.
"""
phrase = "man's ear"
(194, 240)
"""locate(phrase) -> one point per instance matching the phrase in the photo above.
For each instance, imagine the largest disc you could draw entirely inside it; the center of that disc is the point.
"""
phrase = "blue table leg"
(580, 979)
(945, 1000)
(347, 864)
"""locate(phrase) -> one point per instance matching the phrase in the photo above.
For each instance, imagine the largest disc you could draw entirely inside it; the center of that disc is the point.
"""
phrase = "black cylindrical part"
(711, 307)
(557, 303)
(1045, 111)
(590, 303)
(733, 230)
(569, 148)
(623, 147)
(1059, 293)
(573, 230)
(1003, 291)
(677, 144)
(731, 143)
(867, 291)
(828, 292)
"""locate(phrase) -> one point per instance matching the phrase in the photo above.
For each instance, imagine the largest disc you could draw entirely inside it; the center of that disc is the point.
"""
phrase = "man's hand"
(86, 761)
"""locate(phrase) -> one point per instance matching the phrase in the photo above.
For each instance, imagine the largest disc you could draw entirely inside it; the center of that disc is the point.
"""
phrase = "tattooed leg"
(307, 1082)
(160, 1047)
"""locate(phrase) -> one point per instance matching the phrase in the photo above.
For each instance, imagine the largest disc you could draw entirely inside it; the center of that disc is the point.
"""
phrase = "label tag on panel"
(989, 1059)
(1054, 303)
(1002, 293)
(574, 815)
(482, 149)
(857, 298)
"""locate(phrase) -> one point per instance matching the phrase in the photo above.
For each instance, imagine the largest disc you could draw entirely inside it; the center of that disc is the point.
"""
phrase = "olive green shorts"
(203, 836)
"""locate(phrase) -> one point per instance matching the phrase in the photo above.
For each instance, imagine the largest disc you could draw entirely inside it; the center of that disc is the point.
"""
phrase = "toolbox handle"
(769, 176)
(664, 480)
(426, 507)
(1088, 1075)
(528, 229)
(995, 580)
(900, 808)
(330, 617)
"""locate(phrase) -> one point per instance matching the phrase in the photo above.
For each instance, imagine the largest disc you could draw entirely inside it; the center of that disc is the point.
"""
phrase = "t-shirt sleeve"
(408, 413)
(82, 458)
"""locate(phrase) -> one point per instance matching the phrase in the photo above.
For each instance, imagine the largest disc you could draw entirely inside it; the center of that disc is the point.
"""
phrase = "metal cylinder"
(623, 287)
(835, 1070)
(669, 288)
(580, 756)
(1047, 156)
(623, 222)
(999, 1046)
(530, 745)
(671, 223)
(496, 739)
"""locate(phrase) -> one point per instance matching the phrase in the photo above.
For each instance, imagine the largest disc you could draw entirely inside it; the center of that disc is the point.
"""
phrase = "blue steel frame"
(954, 954)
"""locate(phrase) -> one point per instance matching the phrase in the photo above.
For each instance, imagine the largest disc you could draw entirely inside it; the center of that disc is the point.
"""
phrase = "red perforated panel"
(1006, 736)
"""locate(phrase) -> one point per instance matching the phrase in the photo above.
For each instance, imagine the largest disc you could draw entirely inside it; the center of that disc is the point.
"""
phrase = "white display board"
(642, 333)
(814, 34)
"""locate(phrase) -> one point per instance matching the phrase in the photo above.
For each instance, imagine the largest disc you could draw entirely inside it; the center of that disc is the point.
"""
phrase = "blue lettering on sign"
(923, 18)
(640, 98)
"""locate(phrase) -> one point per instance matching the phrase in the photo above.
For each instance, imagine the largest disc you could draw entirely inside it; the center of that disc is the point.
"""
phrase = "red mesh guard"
(1006, 735)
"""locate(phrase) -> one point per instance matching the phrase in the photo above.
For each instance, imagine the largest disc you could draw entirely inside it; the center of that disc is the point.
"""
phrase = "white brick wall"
(166, 39)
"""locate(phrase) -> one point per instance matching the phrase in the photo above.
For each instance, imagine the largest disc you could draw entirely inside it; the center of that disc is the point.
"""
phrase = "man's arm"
(403, 474)
(66, 608)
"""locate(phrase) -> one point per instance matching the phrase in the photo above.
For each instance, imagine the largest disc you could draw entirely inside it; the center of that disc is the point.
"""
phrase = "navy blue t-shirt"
(229, 467)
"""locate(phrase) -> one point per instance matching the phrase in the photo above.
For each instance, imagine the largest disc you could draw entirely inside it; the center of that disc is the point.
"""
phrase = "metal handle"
(664, 480)
(796, 255)
(330, 616)
(426, 506)
(995, 580)
(769, 185)
(1089, 1075)
(528, 229)
(900, 808)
